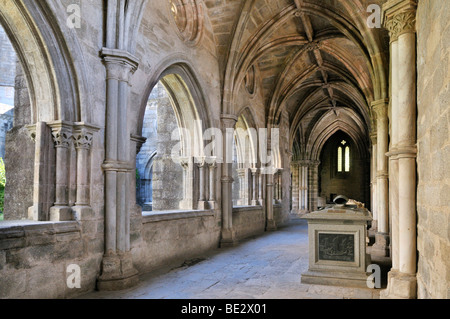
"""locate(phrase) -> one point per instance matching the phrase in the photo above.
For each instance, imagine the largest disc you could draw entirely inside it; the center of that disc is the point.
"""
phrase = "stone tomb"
(337, 245)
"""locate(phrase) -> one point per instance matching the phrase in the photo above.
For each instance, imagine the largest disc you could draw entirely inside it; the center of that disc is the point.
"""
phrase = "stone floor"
(267, 267)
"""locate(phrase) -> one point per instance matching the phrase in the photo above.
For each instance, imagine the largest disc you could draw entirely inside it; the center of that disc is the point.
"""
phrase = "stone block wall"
(248, 221)
(433, 200)
(170, 238)
(34, 259)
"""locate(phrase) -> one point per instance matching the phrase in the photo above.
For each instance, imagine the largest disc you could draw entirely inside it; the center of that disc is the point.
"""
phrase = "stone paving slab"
(268, 267)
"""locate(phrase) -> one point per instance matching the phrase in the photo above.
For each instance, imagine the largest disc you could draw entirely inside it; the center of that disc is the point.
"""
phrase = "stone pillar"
(373, 183)
(254, 200)
(303, 178)
(241, 172)
(118, 271)
(295, 169)
(62, 137)
(381, 246)
(202, 167)
(393, 159)
(400, 19)
(261, 187)
(228, 236)
(270, 221)
(82, 136)
(313, 184)
(212, 164)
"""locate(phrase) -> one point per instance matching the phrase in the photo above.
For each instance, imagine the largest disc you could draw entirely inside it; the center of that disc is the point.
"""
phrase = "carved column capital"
(380, 108)
(139, 140)
(83, 134)
(62, 133)
(228, 120)
(400, 17)
(120, 65)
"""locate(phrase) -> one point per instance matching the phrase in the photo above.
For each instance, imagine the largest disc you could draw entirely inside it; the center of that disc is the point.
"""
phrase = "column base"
(271, 225)
(228, 238)
(212, 204)
(202, 205)
(82, 213)
(400, 286)
(61, 214)
(118, 273)
(381, 246)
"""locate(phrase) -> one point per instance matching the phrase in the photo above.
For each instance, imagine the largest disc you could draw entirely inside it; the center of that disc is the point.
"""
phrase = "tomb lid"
(341, 211)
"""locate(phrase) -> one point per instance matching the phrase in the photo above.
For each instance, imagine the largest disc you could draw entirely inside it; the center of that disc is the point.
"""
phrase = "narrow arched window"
(343, 157)
(347, 159)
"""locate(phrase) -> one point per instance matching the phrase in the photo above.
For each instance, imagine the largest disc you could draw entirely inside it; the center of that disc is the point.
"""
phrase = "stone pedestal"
(228, 238)
(337, 247)
(118, 273)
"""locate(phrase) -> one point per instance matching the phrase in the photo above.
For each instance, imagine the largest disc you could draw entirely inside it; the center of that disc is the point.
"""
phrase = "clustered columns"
(278, 191)
(300, 171)
(399, 19)
(117, 267)
(207, 179)
(228, 233)
(381, 246)
(55, 142)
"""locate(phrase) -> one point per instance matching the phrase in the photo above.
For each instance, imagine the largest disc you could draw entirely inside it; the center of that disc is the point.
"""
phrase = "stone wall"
(248, 221)
(433, 200)
(170, 238)
(34, 259)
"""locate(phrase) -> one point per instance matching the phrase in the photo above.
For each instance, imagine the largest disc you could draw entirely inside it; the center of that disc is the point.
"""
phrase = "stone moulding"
(153, 217)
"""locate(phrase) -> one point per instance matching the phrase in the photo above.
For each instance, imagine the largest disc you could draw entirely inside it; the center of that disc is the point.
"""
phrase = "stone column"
(270, 221)
(82, 136)
(241, 172)
(212, 164)
(400, 19)
(202, 167)
(295, 169)
(254, 172)
(62, 137)
(393, 158)
(381, 246)
(304, 176)
(118, 271)
(313, 184)
(228, 236)
(373, 176)
(260, 187)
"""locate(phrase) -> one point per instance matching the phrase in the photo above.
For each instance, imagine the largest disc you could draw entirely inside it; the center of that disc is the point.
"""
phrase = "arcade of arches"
(133, 138)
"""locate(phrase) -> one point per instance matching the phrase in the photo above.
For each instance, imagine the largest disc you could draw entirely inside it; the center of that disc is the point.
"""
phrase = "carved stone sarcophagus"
(337, 245)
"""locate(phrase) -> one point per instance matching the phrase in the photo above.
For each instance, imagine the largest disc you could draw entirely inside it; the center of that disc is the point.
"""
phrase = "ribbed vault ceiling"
(312, 58)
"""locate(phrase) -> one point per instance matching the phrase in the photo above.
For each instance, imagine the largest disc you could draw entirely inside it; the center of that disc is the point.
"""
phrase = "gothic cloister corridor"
(265, 267)
(169, 149)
